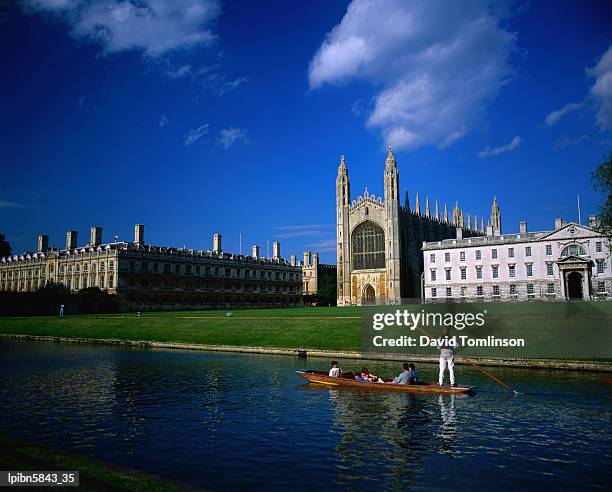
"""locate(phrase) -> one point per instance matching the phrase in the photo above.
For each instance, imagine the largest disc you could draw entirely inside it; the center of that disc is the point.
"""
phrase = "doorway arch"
(369, 295)
(574, 285)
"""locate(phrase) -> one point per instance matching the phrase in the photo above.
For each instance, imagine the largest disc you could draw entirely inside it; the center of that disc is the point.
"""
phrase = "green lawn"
(544, 325)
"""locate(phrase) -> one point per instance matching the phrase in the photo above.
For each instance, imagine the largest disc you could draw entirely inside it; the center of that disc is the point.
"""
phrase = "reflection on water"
(226, 421)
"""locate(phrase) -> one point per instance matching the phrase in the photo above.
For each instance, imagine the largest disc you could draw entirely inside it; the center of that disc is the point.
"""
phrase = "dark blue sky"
(111, 119)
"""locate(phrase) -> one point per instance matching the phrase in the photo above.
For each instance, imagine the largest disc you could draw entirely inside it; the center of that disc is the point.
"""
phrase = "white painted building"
(572, 261)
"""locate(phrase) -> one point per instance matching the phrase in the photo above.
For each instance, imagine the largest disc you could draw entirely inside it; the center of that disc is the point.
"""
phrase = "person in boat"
(447, 358)
(335, 371)
(365, 376)
(414, 375)
(404, 377)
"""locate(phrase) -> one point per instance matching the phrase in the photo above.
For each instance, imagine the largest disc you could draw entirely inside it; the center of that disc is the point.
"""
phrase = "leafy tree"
(327, 290)
(5, 247)
(602, 181)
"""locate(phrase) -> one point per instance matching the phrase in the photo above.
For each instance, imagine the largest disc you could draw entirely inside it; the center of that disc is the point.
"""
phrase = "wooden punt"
(320, 377)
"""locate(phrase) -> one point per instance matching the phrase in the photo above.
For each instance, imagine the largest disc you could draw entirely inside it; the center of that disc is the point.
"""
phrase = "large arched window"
(573, 250)
(368, 246)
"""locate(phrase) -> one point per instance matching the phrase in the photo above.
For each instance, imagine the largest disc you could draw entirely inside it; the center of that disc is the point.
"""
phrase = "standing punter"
(447, 357)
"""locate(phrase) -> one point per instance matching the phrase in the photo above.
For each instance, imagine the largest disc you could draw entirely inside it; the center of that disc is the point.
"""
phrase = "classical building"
(379, 256)
(569, 262)
(157, 277)
(316, 275)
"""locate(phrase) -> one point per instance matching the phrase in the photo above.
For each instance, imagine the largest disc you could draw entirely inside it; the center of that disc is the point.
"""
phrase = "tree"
(602, 181)
(5, 247)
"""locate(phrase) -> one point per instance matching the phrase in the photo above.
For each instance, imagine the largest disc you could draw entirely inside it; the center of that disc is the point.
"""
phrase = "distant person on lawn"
(61, 311)
(335, 371)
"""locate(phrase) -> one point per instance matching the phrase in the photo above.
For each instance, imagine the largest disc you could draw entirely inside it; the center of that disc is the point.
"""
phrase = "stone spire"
(407, 201)
(495, 217)
(469, 221)
(342, 167)
(417, 208)
(437, 212)
(390, 161)
(475, 228)
(482, 229)
(427, 207)
(445, 213)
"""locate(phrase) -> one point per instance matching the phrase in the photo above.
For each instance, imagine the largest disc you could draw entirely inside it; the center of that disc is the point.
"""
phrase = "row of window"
(178, 269)
(571, 250)
(495, 291)
(550, 289)
(77, 268)
(600, 268)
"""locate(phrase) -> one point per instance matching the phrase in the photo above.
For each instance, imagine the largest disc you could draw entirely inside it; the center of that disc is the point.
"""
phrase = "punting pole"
(501, 383)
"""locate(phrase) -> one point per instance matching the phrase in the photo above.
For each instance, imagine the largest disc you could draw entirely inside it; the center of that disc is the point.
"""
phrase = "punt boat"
(321, 377)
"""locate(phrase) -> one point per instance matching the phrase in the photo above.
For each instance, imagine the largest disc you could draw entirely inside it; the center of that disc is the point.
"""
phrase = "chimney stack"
(43, 243)
(315, 259)
(523, 227)
(306, 258)
(255, 251)
(95, 236)
(558, 223)
(217, 244)
(459, 233)
(276, 250)
(139, 233)
(71, 239)
(293, 260)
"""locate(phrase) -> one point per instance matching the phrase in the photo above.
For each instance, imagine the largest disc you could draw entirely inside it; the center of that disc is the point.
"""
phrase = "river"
(233, 421)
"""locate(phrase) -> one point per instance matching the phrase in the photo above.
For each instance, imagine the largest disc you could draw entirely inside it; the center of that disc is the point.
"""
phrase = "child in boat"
(335, 371)
(366, 376)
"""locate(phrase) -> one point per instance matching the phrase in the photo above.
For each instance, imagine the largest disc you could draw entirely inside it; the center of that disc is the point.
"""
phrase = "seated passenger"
(366, 376)
(404, 377)
(335, 371)
(414, 375)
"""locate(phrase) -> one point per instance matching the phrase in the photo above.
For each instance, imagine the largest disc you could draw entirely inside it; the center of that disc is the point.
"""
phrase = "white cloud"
(323, 246)
(569, 142)
(489, 152)
(601, 91)
(555, 116)
(163, 120)
(230, 136)
(179, 72)
(437, 64)
(195, 134)
(152, 26)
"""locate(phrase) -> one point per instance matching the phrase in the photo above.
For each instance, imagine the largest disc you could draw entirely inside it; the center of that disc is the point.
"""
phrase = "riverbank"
(338, 333)
(94, 475)
(584, 365)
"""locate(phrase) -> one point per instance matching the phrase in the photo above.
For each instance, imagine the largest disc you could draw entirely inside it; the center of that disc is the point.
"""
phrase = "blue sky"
(196, 116)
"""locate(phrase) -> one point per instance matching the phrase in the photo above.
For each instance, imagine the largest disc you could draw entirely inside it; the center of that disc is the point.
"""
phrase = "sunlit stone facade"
(157, 277)
(379, 241)
(570, 262)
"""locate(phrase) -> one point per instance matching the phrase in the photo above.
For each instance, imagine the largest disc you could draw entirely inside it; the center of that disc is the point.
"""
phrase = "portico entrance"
(575, 272)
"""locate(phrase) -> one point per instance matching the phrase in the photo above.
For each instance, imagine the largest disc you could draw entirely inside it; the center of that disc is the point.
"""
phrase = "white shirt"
(334, 372)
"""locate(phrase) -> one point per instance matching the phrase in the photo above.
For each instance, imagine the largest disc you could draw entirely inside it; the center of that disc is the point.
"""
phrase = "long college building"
(569, 262)
(157, 277)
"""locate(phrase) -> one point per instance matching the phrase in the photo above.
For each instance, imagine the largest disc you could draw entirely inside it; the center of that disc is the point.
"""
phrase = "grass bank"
(551, 329)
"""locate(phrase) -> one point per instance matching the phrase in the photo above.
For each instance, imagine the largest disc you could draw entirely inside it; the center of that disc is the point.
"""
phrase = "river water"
(228, 421)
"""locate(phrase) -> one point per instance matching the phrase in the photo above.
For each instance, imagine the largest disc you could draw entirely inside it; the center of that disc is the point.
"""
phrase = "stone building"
(379, 256)
(569, 262)
(316, 277)
(157, 277)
